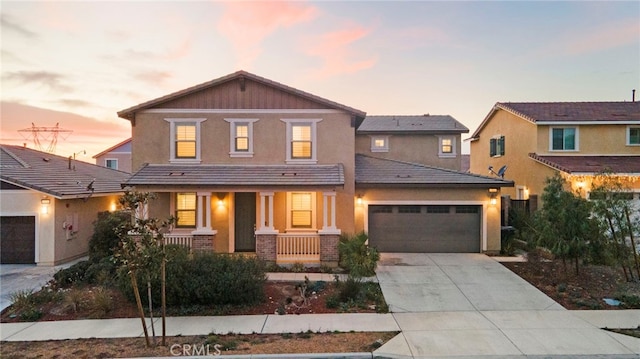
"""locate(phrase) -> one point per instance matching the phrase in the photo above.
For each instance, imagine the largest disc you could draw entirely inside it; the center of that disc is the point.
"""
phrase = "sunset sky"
(78, 63)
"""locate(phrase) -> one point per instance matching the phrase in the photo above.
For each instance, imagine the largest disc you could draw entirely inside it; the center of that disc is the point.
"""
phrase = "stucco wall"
(478, 196)
(124, 160)
(421, 148)
(592, 140)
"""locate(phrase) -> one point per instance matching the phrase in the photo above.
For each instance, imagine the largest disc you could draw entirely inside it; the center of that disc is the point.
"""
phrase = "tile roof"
(378, 171)
(226, 176)
(50, 174)
(569, 112)
(591, 164)
(129, 113)
(417, 123)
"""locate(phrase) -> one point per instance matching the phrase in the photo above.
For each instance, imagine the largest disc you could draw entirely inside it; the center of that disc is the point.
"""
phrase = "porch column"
(203, 209)
(329, 221)
(266, 222)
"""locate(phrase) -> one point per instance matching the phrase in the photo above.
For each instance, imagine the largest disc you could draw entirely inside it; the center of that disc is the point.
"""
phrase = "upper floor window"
(633, 135)
(446, 146)
(564, 139)
(186, 209)
(185, 139)
(241, 137)
(496, 146)
(301, 141)
(111, 163)
(380, 144)
(301, 210)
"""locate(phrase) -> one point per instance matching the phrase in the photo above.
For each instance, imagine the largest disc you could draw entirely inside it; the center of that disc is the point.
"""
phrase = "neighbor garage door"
(17, 240)
(417, 229)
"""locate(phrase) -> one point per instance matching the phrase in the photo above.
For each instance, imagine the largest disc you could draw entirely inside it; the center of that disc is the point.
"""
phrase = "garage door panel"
(17, 239)
(436, 229)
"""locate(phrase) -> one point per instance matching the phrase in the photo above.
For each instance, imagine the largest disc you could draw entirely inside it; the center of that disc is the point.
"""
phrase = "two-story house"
(247, 164)
(117, 157)
(577, 139)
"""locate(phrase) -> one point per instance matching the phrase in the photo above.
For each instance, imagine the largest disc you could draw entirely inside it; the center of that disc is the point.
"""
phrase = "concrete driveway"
(469, 305)
(439, 282)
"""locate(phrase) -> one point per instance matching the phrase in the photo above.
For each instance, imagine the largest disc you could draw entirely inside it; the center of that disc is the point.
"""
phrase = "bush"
(72, 275)
(357, 257)
(105, 240)
(87, 272)
(203, 279)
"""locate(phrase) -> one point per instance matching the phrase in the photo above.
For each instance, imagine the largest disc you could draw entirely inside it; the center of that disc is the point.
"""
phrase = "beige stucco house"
(577, 139)
(48, 205)
(117, 157)
(248, 164)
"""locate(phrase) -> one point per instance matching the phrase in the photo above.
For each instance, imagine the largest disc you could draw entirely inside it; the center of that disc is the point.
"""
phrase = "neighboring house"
(48, 205)
(117, 157)
(577, 139)
(247, 164)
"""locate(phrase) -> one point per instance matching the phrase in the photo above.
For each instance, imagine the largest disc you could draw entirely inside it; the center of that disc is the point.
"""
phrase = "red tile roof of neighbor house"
(591, 164)
(57, 176)
(568, 112)
(129, 113)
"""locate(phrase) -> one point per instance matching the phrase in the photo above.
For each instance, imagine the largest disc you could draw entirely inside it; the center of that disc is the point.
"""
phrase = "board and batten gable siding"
(229, 95)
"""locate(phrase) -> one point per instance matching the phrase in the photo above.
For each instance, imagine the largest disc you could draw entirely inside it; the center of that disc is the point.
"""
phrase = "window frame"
(176, 210)
(106, 163)
(497, 146)
(383, 148)
(441, 144)
(628, 136)
(313, 210)
(576, 137)
(289, 140)
(172, 139)
(233, 124)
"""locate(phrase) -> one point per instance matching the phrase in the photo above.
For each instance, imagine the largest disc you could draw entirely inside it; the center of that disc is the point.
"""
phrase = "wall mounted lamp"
(44, 205)
(359, 200)
(493, 194)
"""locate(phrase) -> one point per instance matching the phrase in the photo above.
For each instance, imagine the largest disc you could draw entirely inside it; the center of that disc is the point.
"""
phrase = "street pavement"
(443, 305)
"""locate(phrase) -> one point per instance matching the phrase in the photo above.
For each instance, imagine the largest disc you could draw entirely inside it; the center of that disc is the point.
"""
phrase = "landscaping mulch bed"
(586, 290)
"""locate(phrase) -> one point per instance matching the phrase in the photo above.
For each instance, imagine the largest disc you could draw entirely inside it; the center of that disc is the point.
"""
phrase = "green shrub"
(349, 290)
(105, 240)
(356, 256)
(72, 275)
(101, 303)
(31, 314)
(203, 279)
(22, 299)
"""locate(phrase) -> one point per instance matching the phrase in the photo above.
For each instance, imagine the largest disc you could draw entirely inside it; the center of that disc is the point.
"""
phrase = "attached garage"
(425, 228)
(17, 239)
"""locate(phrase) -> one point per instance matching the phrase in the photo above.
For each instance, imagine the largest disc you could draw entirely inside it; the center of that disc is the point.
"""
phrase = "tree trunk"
(633, 242)
(163, 273)
(153, 328)
(136, 293)
(615, 240)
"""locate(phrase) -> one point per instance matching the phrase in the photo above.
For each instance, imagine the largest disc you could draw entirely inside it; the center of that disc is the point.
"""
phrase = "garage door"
(418, 229)
(17, 240)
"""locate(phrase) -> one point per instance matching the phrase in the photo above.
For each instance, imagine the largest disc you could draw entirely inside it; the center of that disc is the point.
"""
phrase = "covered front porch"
(283, 214)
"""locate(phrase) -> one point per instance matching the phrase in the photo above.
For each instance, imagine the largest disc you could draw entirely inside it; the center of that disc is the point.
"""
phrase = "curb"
(360, 355)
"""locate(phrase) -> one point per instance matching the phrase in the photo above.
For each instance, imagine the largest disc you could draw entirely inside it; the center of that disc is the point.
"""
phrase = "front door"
(245, 221)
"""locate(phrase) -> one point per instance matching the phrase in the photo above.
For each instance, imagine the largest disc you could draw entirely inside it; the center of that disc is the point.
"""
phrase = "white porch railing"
(303, 247)
(179, 239)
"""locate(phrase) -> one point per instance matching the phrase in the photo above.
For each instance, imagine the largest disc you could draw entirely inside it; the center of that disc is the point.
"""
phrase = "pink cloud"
(247, 24)
(337, 54)
(604, 37)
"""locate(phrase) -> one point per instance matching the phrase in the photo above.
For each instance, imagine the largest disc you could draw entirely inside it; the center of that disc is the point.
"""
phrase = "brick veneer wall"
(266, 247)
(203, 243)
(329, 249)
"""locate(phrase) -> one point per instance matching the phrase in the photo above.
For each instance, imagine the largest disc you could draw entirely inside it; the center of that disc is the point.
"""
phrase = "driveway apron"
(460, 305)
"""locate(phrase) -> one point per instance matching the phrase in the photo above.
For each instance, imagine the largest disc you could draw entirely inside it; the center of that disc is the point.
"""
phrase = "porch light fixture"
(112, 207)
(359, 200)
(493, 194)
(44, 205)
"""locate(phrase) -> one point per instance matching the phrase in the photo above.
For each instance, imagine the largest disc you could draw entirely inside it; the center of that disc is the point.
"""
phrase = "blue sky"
(78, 63)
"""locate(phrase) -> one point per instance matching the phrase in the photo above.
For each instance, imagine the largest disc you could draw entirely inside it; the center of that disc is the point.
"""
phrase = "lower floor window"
(186, 209)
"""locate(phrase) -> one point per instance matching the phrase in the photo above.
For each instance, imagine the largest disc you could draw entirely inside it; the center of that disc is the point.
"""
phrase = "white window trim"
(385, 148)
(111, 159)
(232, 136)
(453, 147)
(313, 213)
(629, 135)
(577, 139)
(172, 138)
(314, 139)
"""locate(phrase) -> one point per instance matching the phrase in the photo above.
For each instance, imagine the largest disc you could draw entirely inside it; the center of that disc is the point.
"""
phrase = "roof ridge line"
(14, 156)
